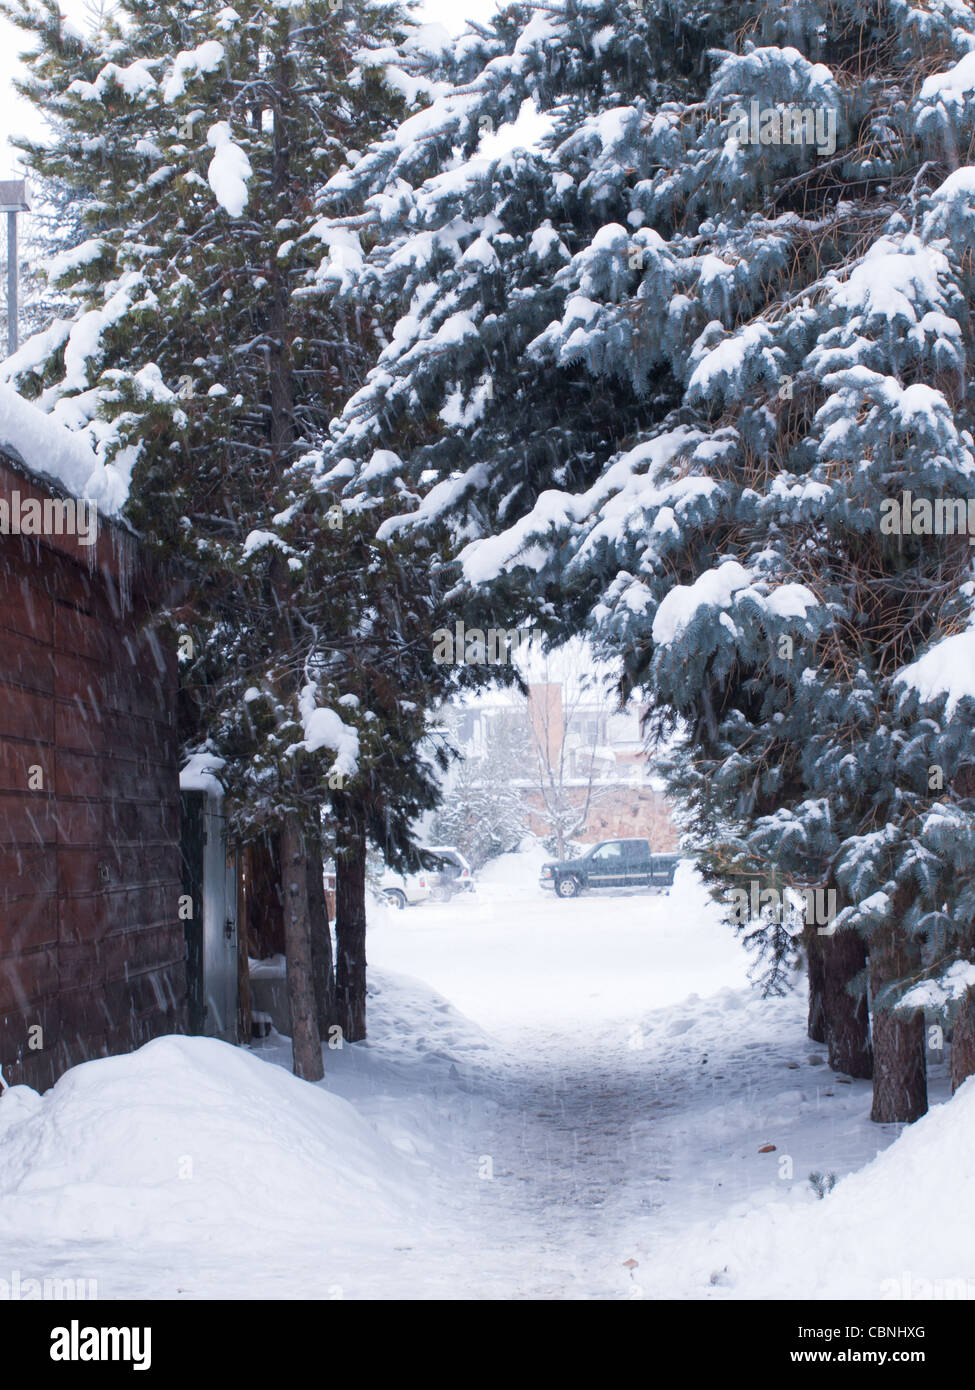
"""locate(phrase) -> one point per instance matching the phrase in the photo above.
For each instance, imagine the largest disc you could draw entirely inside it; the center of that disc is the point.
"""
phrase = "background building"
(577, 763)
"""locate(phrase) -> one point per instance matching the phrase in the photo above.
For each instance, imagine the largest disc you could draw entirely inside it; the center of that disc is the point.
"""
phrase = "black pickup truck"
(611, 864)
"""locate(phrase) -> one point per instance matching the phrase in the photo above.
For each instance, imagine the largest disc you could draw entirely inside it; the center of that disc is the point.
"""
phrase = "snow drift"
(890, 1231)
(190, 1141)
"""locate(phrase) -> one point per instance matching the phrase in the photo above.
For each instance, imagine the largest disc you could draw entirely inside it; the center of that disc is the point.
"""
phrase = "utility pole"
(13, 199)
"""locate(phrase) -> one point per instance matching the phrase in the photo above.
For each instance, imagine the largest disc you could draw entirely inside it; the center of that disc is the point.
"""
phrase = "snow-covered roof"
(49, 449)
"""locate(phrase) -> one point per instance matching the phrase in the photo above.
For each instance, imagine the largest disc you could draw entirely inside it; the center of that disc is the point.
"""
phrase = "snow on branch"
(946, 669)
(323, 728)
(190, 63)
(229, 170)
(716, 588)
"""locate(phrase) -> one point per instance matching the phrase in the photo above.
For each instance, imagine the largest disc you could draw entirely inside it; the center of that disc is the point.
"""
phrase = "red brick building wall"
(615, 811)
(91, 947)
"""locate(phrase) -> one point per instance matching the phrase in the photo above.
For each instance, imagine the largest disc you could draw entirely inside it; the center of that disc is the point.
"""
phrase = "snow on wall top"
(200, 774)
(51, 450)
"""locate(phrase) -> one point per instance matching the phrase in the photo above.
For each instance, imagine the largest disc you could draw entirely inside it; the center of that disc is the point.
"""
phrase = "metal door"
(219, 926)
(210, 881)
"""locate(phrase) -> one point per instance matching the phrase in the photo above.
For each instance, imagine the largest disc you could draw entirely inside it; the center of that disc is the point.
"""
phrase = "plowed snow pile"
(890, 1231)
(191, 1142)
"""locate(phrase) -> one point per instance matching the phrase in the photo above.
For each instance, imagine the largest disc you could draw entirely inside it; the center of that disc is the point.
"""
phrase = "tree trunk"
(306, 1042)
(279, 332)
(816, 970)
(350, 931)
(847, 1017)
(265, 908)
(900, 1084)
(323, 968)
(963, 1042)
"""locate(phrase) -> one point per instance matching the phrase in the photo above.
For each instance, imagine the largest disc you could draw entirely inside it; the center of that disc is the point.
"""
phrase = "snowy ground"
(583, 1119)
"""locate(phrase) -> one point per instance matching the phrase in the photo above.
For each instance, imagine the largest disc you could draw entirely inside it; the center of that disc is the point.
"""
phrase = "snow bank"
(192, 1141)
(689, 899)
(407, 1017)
(890, 1231)
(515, 875)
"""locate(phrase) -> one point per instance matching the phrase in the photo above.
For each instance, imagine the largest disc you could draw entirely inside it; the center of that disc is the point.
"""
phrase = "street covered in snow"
(579, 1100)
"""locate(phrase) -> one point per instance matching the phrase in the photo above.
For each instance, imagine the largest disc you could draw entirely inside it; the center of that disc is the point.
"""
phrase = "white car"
(405, 890)
(453, 876)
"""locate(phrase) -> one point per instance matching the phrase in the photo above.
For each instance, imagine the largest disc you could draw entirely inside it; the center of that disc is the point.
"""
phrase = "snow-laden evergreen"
(656, 362)
(202, 360)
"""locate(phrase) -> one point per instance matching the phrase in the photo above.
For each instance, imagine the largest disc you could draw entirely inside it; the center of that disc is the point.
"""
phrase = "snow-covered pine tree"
(683, 307)
(362, 644)
(482, 811)
(203, 361)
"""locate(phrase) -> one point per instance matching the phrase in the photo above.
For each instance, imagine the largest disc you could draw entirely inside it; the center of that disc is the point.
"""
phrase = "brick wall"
(616, 811)
(91, 949)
